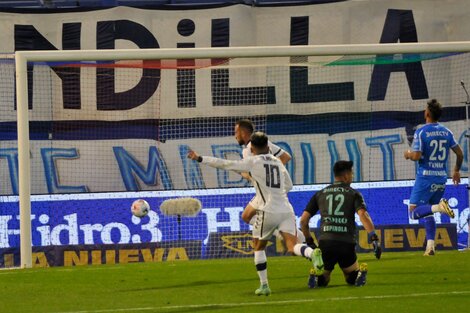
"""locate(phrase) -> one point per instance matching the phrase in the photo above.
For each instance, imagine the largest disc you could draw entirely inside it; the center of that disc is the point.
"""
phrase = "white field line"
(281, 302)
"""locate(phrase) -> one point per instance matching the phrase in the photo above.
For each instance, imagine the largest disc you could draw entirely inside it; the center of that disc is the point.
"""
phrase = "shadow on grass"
(197, 283)
(304, 288)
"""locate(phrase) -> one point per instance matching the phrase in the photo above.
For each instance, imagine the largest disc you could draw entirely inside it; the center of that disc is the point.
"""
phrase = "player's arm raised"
(285, 157)
(280, 153)
(236, 166)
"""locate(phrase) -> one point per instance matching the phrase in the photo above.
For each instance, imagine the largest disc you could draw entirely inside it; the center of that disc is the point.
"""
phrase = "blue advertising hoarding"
(105, 218)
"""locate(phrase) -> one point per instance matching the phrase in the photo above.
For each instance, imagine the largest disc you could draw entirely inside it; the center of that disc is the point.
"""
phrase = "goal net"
(107, 129)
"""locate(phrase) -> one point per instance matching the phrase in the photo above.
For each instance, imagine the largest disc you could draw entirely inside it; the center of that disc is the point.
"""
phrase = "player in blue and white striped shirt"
(430, 147)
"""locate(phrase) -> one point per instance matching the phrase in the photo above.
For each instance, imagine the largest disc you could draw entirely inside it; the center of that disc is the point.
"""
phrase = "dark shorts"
(333, 252)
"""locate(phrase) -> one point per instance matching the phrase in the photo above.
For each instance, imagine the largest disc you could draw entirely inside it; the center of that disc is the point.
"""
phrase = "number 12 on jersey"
(338, 200)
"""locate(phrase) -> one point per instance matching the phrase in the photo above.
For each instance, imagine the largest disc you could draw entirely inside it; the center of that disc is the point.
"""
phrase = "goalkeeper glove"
(309, 241)
(375, 244)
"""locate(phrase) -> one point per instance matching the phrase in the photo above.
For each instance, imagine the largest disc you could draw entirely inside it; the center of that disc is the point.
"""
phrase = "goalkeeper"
(272, 183)
(338, 204)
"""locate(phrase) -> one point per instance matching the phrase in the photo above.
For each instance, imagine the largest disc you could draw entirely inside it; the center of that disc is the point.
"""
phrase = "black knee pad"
(261, 266)
(351, 279)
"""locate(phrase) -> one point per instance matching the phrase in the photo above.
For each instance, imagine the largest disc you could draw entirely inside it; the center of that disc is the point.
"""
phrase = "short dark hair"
(341, 167)
(246, 124)
(435, 109)
(259, 140)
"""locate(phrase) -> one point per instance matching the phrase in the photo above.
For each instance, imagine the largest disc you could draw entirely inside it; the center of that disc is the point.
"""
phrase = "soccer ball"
(140, 208)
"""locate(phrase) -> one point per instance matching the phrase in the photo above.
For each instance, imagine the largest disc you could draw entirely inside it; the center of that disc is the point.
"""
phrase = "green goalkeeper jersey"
(337, 204)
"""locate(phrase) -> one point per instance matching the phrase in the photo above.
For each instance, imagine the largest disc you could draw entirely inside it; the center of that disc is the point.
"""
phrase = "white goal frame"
(23, 57)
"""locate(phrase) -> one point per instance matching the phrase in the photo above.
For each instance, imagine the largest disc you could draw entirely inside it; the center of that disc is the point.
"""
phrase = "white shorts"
(266, 223)
(256, 202)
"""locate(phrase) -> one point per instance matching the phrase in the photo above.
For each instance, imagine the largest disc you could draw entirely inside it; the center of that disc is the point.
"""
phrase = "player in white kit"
(244, 128)
(274, 212)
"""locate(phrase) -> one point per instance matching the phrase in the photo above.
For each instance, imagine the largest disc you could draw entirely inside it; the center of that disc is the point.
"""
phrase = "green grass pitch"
(399, 282)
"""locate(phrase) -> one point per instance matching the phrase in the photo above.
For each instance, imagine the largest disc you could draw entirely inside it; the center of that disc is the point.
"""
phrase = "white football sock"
(430, 244)
(261, 266)
(303, 250)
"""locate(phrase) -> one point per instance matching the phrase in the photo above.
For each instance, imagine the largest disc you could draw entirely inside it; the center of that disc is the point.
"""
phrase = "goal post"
(23, 162)
(23, 58)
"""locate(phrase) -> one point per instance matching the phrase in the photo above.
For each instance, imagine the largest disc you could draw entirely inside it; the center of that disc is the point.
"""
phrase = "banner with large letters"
(348, 22)
(47, 256)
(220, 245)
(134, 165)
(103, 132)
(118, 129)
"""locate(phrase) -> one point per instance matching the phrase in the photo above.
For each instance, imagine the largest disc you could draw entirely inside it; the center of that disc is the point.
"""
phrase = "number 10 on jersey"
(273, 176)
